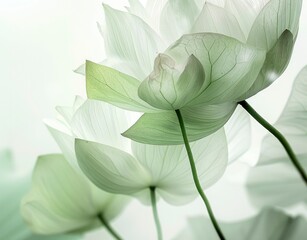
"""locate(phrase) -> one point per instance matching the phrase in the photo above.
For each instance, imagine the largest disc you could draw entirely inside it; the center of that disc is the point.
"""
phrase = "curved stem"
(279, 136)
(155, 212)
(195, 176)
(108, 227)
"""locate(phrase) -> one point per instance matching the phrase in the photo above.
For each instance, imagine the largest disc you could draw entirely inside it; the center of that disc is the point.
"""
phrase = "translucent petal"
(109, 85)
(13, 186)
(177, 18)
(231, 67)
(111, 169)
(276, 17)
(276, 62)
(129, 38)
(216, 19)
(59, 200)
(163, 128)
(170, 86)
(170, 169)
(245, 12)
(101, 122)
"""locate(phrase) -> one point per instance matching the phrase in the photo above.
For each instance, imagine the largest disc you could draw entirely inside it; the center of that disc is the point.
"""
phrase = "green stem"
(155, 212)
(108, 227)
(195, 176)
(279, 136)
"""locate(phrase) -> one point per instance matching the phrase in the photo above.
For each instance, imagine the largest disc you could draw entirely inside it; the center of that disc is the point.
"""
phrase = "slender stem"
(155, 212)
(195, 176)
(279, 136)
(108, 227)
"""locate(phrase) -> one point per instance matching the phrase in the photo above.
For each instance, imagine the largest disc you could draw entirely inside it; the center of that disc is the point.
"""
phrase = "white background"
(41, 42)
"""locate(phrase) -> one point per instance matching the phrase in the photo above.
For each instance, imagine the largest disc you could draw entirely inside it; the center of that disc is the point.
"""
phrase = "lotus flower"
(231, 62)
(63, 200)
(116, 159)
(14, 183)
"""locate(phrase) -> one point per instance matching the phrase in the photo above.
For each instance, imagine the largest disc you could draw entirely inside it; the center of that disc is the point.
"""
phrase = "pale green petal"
(59, 200)
(68, 112)
(129, 38)
(109, 85)
(101, 122)
(217, 20)
(154, 9)
(238, 133)
(65, 141)
(170, 86)
(170, 169)
(13, 186)
(163, 128)
(268, 225)
(275, 64)
(137, 8)
(111, 169)
(276, 17)
(230, 67)
(274, 180)
(245, 12)
(177, 18)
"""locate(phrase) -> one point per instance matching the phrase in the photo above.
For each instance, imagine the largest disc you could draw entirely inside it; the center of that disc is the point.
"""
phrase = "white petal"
(177, 18)
(217, 20)
(129, 38)
(111, 169)
(170, 169)
(101, 122)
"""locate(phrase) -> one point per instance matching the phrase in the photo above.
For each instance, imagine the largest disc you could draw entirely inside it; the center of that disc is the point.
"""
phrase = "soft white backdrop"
(41, 42)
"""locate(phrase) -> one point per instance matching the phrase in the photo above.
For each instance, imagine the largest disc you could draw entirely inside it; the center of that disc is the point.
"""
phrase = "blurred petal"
(163, 128)
(170, 169)
(231, 67)
(274, 180)
(60, 198)
(269, 224)
(13, 185)
(238, 133)
(109, 85)
(111, 169)
(276, 17)
(129, 38)
(177, 18)
(216, 19)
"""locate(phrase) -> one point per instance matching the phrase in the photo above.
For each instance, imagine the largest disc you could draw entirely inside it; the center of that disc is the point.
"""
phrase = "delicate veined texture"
(274, 180)
(164, 167)
(171, 86)
(233, 71)
(89, 120)
(63, 200)
(267, 225)
(100, 125)
(218, 20)
(230, 66)
(13, 185)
